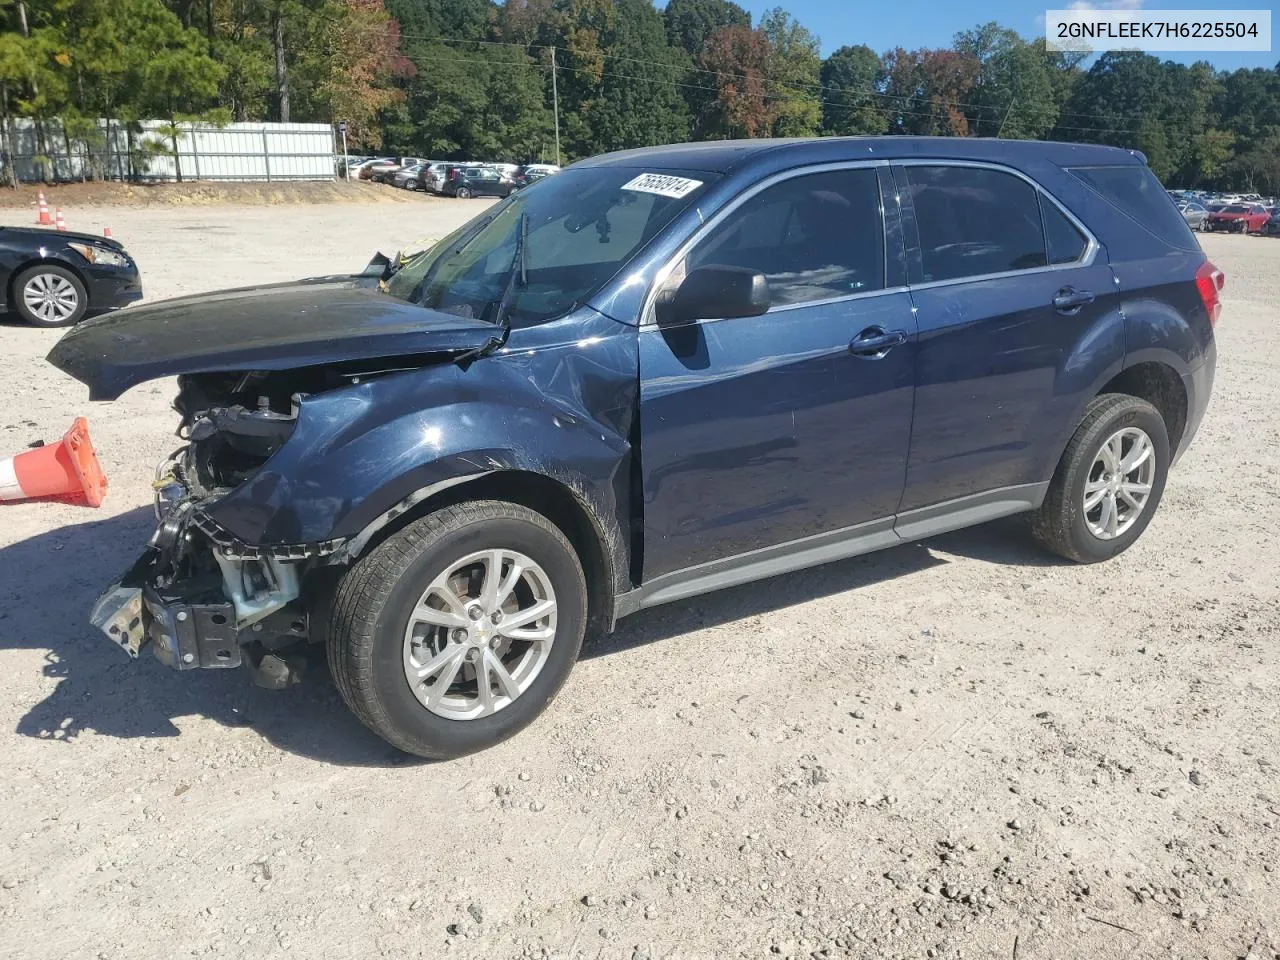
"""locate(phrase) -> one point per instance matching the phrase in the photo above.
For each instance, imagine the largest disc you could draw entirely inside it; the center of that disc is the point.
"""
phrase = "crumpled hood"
(275, 327)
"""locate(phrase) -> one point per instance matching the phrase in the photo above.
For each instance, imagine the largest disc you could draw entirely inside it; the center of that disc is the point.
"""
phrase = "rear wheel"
(49, 296)
(1108, 482)
(456, 632)
(462, 193)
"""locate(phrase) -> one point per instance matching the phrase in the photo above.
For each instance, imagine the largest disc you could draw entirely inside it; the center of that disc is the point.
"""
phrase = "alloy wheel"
(1119, 483)
(480, 634)
(50, 297)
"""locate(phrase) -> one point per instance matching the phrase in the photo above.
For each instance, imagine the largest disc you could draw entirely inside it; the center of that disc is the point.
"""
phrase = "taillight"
(1210, 281)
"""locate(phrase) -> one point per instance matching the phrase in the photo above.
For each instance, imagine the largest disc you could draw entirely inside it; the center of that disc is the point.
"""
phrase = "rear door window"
(815, 237)
(1135, 191)
(974, 221)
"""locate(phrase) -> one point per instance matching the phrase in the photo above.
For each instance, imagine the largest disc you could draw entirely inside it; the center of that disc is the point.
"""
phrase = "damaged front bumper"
(201, 621)
(198, 602)
(184, 634)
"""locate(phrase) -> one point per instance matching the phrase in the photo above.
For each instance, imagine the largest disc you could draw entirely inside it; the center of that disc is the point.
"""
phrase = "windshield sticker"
(663, 185)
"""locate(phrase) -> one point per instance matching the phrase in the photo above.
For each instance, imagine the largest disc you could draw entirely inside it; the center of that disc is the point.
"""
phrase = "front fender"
(559, 401)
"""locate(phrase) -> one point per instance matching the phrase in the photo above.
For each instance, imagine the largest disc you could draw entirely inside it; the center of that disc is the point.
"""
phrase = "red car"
(1239, 218)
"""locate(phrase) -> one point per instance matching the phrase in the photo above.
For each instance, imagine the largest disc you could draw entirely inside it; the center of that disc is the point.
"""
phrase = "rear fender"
(1162, 320)
(1097, 357)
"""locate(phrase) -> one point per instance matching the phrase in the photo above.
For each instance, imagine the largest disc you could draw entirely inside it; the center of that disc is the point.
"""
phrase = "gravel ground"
(954, 749)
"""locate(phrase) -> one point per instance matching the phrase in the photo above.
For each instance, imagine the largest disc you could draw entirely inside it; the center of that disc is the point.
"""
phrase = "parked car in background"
(465, 182)
(407, 177)
(1239, 218)
(349, 163)
(435, 173)
(1272, 227)
(686, 367)
(364, 171)
(430, 175)
(1194, 213)
(533, 172)
(384, 174)
(54, 278)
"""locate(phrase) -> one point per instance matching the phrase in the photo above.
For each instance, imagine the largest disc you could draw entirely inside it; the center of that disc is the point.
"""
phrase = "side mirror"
(712, 293)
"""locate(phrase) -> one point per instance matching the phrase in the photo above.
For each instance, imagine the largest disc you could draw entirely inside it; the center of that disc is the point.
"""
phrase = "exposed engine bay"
(197, 595)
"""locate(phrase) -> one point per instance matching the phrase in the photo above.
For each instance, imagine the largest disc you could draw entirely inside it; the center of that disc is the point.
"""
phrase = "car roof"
(724, 156)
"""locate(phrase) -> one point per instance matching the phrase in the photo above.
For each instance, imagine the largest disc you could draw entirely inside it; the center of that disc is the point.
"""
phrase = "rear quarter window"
(1134, 190)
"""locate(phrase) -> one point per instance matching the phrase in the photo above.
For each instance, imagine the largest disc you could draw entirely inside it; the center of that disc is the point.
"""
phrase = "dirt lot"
(953, 749)
(73, 197)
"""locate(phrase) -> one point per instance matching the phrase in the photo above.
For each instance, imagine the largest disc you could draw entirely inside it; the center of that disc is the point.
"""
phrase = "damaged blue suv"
(659, 373)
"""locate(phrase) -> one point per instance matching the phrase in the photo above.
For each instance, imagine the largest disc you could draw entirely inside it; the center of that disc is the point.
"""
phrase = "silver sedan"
(1194, 214)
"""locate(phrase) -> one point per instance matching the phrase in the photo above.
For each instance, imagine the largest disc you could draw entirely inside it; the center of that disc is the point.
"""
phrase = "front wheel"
(459, 630)
(50, 296)
(1108, 482)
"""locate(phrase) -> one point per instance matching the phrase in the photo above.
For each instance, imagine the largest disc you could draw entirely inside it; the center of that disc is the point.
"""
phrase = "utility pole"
(555, 102)
(1000, 131)
(346, 161)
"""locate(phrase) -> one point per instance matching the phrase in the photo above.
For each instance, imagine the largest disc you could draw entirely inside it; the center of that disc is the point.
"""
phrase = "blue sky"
(932, 23)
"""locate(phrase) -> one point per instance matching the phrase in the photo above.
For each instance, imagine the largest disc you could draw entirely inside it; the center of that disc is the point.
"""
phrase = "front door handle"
(1070, 300)
(875, 342)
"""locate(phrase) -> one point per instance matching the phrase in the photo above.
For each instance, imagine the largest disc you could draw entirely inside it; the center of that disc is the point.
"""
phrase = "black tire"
(462, 193)
(365, 637)
(1060, 522)
(25, 312)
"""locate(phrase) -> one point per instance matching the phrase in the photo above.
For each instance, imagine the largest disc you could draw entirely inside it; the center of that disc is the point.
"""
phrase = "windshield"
(1235, 208)
(583, 226)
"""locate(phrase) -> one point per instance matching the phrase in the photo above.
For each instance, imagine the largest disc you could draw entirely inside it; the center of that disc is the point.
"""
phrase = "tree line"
(481, 79)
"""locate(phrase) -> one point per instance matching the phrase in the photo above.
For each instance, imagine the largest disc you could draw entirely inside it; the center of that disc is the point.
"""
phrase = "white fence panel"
(237, 151)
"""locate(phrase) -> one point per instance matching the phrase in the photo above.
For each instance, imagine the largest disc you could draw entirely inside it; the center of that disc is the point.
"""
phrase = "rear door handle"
(875, 342)
(1069, 299)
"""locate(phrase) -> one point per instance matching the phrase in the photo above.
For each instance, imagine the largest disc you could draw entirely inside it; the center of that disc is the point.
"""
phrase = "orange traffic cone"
(67, 471)
(106, 232)
(44, 220)
(59, 223)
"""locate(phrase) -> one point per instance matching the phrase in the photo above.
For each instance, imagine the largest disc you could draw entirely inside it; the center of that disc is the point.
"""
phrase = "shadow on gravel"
(50, 581)
(763, 597)
(1006, 542)
(1002, 542)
